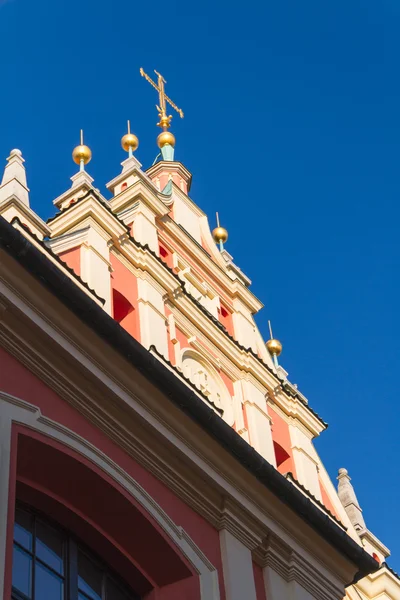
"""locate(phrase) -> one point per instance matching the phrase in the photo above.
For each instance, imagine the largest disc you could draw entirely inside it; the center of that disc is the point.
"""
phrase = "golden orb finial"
(129, 141)
(274, 346)
(165, 137)
(220, 234)
(82, 154)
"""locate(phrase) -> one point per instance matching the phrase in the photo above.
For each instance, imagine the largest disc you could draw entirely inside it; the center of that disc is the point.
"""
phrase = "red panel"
(225, 317)
(125, 298)
(166, 255)
(282, 442)
(73, 259)
(259, 582)
(122, 307)
(280, 454)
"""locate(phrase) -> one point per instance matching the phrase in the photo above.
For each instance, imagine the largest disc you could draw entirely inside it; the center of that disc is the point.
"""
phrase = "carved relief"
(203, 375)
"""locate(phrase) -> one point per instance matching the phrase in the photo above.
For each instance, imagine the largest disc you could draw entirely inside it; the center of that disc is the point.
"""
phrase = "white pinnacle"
(14, 179)
(349, 500)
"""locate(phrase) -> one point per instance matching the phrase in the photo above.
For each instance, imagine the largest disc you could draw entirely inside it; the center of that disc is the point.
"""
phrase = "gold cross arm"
(163, 98)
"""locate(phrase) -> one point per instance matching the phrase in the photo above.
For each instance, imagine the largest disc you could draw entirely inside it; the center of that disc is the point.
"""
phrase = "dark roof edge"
(22, 250)
(392, 571)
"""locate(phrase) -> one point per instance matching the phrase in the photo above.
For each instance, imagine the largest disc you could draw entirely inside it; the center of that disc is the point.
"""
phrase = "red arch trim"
(78, 494)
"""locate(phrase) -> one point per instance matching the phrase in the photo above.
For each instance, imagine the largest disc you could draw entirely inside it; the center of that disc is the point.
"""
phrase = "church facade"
(151, 445)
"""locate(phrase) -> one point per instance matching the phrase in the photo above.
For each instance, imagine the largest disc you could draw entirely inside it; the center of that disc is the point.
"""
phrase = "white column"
(259, 422)
(276, 587)
(306, 466)
(95, 269)
(153, 322)
(237, 566)
(244, 326)
(144, 227)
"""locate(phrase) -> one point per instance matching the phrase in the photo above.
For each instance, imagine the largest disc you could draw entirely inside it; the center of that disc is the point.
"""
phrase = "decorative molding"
(207, 572)
(293, 567)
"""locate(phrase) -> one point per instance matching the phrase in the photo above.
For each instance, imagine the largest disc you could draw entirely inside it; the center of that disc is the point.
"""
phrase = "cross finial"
(165, 120)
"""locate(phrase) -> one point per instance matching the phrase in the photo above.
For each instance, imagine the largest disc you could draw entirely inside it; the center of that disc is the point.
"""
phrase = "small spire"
(166, 140)
(129, 142)
(274, 346)
(349, 500)
(14, 179)
(82, 154)
(220, 234)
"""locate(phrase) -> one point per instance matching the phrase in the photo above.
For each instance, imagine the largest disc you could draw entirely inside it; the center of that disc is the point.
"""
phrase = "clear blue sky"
(292, 132)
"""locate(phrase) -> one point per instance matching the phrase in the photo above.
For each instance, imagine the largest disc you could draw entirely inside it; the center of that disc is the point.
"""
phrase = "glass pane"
(114, 592)
(89, 577)
(22, 571)
(23, 529)
(48, 586)
(49, 546)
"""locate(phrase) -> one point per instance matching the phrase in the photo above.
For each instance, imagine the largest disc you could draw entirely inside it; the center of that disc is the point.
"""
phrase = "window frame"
(72, 546)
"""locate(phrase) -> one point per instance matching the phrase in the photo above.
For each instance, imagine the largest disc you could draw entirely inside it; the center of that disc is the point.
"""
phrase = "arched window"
(50, 564)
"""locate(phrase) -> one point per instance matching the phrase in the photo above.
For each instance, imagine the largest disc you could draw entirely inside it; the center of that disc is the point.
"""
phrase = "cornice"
(141, 190)
(293, 408)
(172, 167)
(293, 567)
(93, 376)
(233, 288)
(383, 583)
(89, 206)
(144, 260)
(25, 210)
(68, 241)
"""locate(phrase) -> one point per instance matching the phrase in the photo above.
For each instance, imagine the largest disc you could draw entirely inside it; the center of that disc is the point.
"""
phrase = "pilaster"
(144, 227)
(306, 465)
(95, 265)
(237, 568)
(153, 322)
(243, 325)
(259, 422)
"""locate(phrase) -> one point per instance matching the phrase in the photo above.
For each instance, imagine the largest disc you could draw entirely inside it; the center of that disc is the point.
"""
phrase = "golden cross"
(165, 120)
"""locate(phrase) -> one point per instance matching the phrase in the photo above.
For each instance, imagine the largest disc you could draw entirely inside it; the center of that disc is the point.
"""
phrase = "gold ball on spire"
(220, 234)
(274, 347)
(82, 153)
(130, 141)
(165, 137)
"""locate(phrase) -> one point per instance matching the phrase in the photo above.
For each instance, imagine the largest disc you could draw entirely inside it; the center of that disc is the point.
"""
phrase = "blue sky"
(292, 132)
